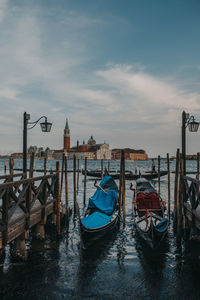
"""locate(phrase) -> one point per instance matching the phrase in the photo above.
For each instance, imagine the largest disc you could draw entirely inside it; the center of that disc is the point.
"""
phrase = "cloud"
(47, 68)
(3, 6)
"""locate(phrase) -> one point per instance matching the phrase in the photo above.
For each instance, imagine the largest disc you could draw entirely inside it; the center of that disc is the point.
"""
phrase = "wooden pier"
(25, 203)
(186, 201)
(191, 206)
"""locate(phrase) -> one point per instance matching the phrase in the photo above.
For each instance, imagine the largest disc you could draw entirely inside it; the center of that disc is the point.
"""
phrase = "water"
(118, 267)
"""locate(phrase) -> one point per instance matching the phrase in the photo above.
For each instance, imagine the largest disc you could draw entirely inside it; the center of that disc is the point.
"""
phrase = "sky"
(122, 71)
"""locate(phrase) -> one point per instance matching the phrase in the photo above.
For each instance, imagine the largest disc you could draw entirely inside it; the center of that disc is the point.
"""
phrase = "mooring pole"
(58, 197)
(11, 165)
(176, 182)
(31, 165)
(108, 167)
(198, 165)
(120, 184)
(180, 202)
(45, 166)
(74, 181)
(66, 189)
(78, 177)
(85, 178)
(5, 166)
(101, 168)
(124, 189)
(62, 170)
(159, 174)
(168, 170)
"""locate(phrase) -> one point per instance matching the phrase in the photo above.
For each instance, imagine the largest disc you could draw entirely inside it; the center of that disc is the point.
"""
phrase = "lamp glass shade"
(193, 126)
(46, 126)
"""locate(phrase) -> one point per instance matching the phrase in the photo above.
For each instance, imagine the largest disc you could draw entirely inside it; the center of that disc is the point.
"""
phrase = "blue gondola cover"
(105, 202)
(162, 224)
(96, 220)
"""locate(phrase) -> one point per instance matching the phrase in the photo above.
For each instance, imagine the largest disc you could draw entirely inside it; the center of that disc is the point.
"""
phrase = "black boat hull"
(152, 237)
(128, 176)
(90, 236)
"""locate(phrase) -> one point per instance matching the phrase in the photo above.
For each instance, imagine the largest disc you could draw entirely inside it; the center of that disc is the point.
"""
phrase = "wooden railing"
(24, 203)
(191, 191)
(9, 178)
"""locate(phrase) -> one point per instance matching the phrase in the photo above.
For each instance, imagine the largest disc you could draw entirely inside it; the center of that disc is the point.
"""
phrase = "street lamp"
(187, 121)
(45, 127)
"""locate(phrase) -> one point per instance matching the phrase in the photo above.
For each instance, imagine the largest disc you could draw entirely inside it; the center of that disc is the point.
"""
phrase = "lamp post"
(187, 121)
(45, 127)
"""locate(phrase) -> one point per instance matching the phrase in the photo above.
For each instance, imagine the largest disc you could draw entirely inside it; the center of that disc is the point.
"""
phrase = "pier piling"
(78, 175)
(58, 197)
(85, 178)
(74, 182)
(198, 154)
(169, 187)
(176, 182)
(159, 174)
(101, 168)
(66, 189)
(45, 166)
(123, 189)
(180, 203)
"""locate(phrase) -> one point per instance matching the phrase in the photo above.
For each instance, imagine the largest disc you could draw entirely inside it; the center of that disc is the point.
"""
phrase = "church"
(91, 149)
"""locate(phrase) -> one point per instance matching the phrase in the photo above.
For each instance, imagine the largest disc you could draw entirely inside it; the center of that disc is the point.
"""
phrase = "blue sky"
(121, 70)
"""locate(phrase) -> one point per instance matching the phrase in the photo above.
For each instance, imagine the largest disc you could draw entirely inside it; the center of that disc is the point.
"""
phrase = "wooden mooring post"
(169, 188)
(101, 168)
(180, 203)
(58, 194)
(31, 165)
(5, 166)
(123, 190)
(108, 167)
(85, 179)
(45, 166)
(176, 181)
(78, 175)
(11, 166)
(120, 185)
(198, 156)
(74, 182)
(66, 189)
(159, 174)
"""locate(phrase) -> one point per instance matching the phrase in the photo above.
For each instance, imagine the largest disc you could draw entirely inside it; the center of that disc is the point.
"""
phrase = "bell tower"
(66, 136)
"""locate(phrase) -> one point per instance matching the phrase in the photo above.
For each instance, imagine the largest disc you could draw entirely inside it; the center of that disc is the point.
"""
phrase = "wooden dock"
(191, 205)
(25, 203)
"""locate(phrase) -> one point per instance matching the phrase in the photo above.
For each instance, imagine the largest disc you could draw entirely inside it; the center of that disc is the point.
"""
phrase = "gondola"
(150, 213)
(102, 212)
(128, 175)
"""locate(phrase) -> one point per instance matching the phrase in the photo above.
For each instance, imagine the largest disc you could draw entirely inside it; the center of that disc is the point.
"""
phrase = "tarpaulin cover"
(162, 224)
(108, 183)
(105, 202)
(96, 220)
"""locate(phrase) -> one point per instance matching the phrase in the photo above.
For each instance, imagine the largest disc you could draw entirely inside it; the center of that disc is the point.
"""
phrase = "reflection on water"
(119, 266)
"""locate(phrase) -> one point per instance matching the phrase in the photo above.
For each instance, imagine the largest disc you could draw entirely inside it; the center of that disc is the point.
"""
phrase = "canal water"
(117, 267)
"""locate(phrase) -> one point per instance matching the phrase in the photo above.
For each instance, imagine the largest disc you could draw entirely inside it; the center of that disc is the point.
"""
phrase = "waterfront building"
(130, 154)
(91, 150)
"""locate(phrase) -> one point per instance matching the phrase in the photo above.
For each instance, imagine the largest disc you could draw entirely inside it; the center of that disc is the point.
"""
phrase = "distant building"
(91, 150)
(130, 154)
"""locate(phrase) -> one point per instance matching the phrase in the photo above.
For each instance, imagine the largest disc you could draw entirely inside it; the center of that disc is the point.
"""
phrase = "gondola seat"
(150, 201)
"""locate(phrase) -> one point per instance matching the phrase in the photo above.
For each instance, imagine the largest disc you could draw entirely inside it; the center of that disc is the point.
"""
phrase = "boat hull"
(128, 176)
(152, 237)
(90, 236)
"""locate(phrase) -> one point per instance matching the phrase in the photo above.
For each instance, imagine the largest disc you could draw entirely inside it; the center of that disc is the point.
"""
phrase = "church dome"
(91, 141)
